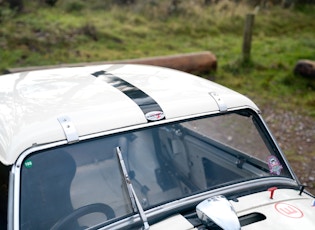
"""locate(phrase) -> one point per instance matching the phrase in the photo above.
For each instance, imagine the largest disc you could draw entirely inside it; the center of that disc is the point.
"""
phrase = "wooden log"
(305, 68)
(202, 62)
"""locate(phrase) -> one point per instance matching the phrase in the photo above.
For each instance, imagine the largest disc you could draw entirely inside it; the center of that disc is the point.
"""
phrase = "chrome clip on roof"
(133, 196)
(69, 129)
(221, 104)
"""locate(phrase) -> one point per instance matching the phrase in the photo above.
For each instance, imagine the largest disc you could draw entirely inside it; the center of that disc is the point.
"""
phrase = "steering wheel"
(77, 213)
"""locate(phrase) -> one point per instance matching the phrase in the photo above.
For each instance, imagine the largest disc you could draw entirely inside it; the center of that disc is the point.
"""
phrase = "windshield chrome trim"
(172, 207)
(237, 187)
(11, 219)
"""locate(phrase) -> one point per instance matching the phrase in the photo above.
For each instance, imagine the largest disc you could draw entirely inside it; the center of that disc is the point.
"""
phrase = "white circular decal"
(154, 115)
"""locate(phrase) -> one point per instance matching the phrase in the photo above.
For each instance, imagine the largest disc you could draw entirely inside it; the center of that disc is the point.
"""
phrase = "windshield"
(81, 185)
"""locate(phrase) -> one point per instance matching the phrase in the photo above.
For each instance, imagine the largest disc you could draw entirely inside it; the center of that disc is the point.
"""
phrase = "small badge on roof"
(154, 115)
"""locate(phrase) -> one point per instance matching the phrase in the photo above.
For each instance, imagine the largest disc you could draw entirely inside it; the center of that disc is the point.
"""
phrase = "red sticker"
(289, 210)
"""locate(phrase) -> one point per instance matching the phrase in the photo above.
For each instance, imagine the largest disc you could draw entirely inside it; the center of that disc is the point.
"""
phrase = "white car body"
(71, 108)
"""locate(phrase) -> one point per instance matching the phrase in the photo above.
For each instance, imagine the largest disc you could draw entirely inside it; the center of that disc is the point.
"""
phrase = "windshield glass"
(81, 185)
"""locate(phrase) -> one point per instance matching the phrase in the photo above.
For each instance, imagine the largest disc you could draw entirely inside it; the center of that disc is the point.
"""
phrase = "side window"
(4, 181)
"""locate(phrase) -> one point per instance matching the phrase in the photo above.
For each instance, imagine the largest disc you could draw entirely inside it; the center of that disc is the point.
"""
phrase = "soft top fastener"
(69, 129)
(221, 104)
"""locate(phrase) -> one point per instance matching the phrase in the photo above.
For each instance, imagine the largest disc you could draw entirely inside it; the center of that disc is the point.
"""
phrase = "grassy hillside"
(85, 31)
(77, 31)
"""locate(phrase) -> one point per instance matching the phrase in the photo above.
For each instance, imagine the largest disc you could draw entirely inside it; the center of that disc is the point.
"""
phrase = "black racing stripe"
(144, 101)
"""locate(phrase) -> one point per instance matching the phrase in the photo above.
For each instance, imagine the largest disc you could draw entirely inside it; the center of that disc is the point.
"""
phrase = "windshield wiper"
(132, 195)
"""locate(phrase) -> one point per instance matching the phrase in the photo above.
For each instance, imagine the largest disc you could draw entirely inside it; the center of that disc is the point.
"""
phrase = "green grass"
(77, 31)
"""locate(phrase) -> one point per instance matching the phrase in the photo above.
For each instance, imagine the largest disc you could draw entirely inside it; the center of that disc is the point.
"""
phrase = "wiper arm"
(132, 195)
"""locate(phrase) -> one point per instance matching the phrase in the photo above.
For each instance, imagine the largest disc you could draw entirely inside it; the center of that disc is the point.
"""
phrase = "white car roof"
(98, 99)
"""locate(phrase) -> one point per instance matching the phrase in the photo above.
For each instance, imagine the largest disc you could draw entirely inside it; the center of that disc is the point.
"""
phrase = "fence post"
(247, 37)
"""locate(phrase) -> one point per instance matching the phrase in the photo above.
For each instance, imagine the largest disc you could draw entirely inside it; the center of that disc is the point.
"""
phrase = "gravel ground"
(295, 134)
